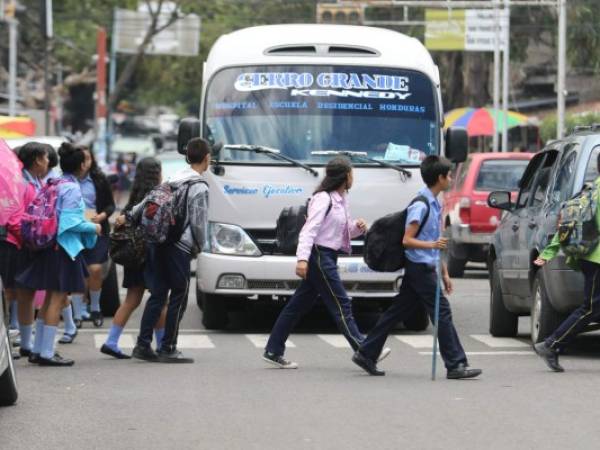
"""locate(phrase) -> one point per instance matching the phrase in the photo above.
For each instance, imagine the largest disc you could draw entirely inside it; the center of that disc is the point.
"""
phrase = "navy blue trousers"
(167, 270)
(418, 287)
(323, 280)
(588, 311)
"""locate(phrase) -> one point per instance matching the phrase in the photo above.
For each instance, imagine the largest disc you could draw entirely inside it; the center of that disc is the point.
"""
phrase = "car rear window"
(500, 175)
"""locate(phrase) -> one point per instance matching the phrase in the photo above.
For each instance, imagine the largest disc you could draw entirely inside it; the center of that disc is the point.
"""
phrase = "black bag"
(383, 250)
(3, 233)
(289, 224)
(127, 246)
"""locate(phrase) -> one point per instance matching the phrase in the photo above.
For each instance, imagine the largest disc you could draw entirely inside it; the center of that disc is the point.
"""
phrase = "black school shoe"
(110, 352)
(144, 353)
(97, 318)
(56, 361)
(549, 356)
(68, 338)
(173, 357)
(462, 372)
(367, 364)
(34, 358)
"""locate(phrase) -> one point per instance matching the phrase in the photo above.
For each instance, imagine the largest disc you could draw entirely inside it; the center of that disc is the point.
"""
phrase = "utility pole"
(46, 8)
(562, 61)
(506, 81)
(496, 136)
(112, 80)
(13, 25)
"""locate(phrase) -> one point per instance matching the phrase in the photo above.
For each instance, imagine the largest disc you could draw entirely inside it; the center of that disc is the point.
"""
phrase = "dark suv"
(519, 288)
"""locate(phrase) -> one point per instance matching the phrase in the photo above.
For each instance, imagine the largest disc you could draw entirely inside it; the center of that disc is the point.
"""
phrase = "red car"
(469, 221)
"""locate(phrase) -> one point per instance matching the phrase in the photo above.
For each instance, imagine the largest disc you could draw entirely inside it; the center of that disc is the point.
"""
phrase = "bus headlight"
(228, 239)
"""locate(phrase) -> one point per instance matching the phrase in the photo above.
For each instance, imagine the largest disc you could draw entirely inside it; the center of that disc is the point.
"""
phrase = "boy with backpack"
(174, 218)
(578, 235)
(423, 242)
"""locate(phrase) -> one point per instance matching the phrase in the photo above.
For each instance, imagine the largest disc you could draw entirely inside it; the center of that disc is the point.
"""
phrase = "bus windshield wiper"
(272, 152)
(362, 155)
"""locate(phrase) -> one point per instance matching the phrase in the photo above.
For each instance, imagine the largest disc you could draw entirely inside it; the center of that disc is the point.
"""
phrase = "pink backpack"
(39, 225)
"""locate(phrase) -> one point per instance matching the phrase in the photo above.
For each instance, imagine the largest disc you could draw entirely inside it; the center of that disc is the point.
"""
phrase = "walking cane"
(436, 315)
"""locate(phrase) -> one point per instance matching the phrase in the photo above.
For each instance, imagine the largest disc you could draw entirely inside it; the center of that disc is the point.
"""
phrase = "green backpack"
(577, 229)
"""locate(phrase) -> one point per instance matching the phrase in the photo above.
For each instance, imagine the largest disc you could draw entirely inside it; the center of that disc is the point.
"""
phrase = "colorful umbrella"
(12, 186)
(16, 127)
(480, 122)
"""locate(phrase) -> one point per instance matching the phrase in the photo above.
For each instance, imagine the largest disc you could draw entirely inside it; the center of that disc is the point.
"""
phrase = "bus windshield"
(303, 111)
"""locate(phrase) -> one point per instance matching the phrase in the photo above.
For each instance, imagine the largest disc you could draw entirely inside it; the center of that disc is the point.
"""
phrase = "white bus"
(285, 99)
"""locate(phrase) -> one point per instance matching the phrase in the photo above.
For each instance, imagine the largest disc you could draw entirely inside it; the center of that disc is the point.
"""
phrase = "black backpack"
(127, 246)
(383, 250)
(289, 224)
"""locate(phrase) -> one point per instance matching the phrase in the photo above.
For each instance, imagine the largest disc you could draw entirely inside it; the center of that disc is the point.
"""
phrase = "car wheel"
(456, 265)
(8, 380)
(214, 312)
(503, 323)
(419, 321)
(109, 298)
(544, 318)
(200, 298)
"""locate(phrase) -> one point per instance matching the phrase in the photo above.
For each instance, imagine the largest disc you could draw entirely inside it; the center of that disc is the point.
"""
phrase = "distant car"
(8, 379)
(171, 162)
(469, 221)
(518, 287)
(142, 146)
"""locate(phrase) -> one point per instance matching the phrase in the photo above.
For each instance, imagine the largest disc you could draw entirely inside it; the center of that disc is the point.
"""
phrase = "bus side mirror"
(189, 128)
(457, 144)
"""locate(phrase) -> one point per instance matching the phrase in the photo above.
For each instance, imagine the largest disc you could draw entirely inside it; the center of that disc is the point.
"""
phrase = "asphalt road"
(229, 399)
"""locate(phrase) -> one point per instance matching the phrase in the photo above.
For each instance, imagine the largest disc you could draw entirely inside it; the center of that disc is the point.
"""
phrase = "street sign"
(465, 30)
(182, 38)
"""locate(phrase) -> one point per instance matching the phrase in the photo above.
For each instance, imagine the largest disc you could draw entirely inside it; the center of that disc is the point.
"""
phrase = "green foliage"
(548, 125)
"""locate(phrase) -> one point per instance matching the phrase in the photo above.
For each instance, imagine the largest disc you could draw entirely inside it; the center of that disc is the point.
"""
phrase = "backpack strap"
(423, 199)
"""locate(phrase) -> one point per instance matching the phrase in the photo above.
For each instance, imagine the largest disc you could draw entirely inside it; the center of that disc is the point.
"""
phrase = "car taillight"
(464, 210)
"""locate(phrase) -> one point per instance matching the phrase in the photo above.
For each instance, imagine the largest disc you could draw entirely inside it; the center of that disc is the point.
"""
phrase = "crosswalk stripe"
(416, 340)
(335, 340)
(260, 340)
(126, 340)
(194, 341)
(495, 353)
(495, 342)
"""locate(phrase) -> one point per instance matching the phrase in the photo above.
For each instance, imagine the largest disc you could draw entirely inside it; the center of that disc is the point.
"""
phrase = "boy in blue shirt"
(420, 279)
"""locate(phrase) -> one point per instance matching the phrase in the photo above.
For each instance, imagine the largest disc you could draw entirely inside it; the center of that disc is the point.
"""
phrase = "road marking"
(126, 340)
(335, 340)
(416, 340)
(194, 341)
(496, 353)
(495, 342)
(260, 340)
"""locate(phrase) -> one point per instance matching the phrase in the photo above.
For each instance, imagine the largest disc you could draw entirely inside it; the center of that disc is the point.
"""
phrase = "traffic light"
(340, 14)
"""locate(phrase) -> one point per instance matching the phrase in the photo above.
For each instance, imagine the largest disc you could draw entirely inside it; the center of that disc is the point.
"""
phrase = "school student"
(588, 311)
(99, 206)
(15, 258)
(326, 233)
(168, 265)
(60, 269)
(421, 278)
(147, 177)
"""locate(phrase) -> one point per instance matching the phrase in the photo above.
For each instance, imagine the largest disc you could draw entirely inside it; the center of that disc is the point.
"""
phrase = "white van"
(285, 99)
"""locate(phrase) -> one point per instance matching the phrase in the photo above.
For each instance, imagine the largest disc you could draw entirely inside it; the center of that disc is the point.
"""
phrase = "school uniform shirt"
(333, 230)
(430, 231)
(97, 195)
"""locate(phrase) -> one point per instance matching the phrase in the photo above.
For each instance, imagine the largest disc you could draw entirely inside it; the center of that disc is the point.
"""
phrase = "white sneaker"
(279, 361)
(384, 354)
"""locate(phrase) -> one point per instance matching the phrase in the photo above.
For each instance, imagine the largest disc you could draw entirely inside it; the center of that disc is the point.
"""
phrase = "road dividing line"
(497, 353)
(335, 340)
(260, 340)
(194, 341)
(416, 340)
(496, 342)
(126, 340)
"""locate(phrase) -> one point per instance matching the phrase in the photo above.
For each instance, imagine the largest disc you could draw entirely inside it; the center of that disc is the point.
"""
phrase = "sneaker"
(144, 353)
(173, 357)
(462, 371)
(549, 356)
(384, 354)
(279, 361)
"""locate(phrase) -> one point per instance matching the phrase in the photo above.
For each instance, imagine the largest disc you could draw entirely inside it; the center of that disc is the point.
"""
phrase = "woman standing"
(147, 177)
(99, 206)
(327, 232)
(61, 269)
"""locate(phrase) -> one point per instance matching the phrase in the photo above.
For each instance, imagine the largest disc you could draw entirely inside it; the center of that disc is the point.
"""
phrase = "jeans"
(322, 281)
(418, 287)
(167, 269)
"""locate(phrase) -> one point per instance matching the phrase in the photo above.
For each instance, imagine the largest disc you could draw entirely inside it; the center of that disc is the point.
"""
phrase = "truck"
(279, 102)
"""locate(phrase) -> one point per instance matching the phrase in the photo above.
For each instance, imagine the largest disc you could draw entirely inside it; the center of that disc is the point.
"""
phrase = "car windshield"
(391, 115)
(500, 175)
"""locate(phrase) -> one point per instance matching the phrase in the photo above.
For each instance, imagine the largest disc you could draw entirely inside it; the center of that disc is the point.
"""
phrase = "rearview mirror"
(500, 200)
(189, 128)
(457, 144)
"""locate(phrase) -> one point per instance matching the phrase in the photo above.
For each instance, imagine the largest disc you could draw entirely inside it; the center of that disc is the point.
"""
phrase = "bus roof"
(319, 44)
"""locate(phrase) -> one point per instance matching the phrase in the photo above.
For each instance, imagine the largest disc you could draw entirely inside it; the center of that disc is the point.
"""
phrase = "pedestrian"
(588, 311)
(326, 233)
(421, 280)
(168, 264)
(34, 157)
(147, 177)
(60, 269)
(99, 206)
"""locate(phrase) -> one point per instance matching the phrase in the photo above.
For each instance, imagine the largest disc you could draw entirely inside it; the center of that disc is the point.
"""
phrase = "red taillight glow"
(464, 210)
